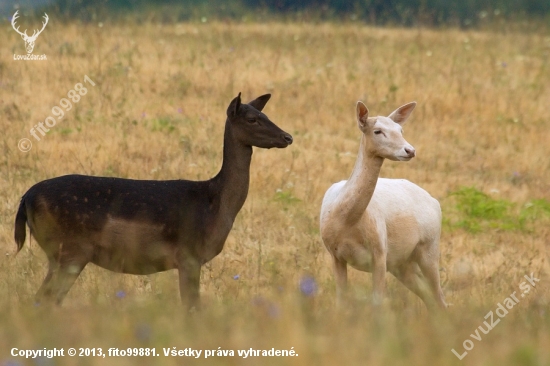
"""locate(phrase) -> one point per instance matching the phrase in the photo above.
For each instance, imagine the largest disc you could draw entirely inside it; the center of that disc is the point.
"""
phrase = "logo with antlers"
(29, 40)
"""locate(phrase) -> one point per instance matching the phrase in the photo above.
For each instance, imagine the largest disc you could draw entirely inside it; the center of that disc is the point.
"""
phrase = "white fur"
(377, 224)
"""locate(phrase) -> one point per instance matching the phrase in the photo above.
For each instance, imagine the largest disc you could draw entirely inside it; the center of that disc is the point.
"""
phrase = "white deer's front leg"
(378, 278)
(341, 274)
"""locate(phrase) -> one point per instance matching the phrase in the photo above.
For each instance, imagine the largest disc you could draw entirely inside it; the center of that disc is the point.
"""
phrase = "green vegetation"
(478, 211)
(534, 210)
(405, 12)
(164, 124)
(285, 197)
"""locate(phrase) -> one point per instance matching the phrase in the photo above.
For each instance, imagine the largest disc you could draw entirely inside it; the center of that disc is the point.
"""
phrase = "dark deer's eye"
(377, 132)
(252, 120)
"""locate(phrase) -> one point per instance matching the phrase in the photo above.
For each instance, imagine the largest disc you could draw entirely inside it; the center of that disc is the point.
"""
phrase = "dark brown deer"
(145, 226)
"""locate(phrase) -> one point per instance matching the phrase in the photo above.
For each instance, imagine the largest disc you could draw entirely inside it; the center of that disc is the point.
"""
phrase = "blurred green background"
(463, 13)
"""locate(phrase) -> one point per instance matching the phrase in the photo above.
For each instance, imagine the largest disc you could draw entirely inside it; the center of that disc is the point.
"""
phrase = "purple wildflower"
(273, 310)
(120, 294)
(308, 286)
(11, 363)
(43, 361)
(258, 301)
(236, 277)
(143, 332)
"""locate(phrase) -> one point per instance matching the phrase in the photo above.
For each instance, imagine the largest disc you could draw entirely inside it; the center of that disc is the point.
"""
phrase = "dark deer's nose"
(287, 138)
(411, 152)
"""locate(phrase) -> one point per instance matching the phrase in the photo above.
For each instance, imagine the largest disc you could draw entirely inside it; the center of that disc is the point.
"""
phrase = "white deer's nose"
(410, 151)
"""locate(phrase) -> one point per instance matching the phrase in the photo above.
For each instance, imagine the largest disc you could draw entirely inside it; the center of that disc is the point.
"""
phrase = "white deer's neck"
(358, 190)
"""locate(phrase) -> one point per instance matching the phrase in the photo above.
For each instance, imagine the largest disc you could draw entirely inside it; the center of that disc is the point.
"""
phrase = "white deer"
(29, 41)
(378, 225)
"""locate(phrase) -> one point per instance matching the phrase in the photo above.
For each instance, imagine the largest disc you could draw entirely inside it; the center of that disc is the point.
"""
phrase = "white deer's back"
(392, 197)
(395, 197)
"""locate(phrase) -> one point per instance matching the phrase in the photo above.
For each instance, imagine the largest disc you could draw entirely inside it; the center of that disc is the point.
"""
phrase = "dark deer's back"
(111, 217)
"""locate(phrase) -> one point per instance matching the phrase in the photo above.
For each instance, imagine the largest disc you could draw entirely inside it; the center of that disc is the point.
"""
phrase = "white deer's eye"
(377, 132)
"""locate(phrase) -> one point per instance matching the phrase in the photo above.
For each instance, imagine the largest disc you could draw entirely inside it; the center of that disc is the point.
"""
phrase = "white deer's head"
(384, 135)
(29, 40)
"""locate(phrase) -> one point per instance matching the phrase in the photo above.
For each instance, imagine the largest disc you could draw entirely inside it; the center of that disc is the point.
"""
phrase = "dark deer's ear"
(234, 106)
(260, 102)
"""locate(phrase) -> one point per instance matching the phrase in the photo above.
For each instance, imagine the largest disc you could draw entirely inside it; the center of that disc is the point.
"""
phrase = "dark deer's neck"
(234, 176)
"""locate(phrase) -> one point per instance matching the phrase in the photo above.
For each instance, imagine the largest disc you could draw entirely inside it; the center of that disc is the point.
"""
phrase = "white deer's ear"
(401, 114)
(362, 115)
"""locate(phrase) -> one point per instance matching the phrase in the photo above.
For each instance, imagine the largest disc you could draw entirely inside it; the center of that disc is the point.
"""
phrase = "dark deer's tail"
(20, 225)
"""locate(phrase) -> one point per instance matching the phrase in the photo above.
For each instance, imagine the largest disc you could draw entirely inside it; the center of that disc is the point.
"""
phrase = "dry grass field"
(157, 111)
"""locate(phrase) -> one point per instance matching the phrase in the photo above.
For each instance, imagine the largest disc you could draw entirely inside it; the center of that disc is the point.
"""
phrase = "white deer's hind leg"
(410, 275)
(428, 260)
(341, 275)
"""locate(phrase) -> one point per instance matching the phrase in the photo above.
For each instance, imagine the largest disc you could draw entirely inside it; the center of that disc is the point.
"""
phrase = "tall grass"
(157, 112)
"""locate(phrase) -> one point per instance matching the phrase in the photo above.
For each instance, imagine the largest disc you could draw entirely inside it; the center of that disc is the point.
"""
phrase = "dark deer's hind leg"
(64, 268)
(44, 290)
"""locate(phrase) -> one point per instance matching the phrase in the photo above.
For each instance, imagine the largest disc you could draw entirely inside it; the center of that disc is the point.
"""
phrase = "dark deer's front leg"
(189, 276)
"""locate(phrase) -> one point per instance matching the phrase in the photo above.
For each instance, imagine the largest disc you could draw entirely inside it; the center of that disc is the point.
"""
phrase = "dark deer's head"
(253, 128)
(29, 40)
